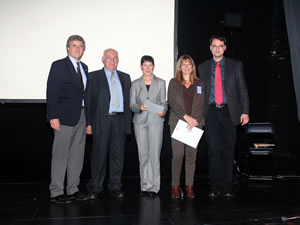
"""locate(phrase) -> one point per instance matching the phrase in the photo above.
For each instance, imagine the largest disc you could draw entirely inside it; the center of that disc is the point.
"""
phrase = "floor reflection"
(149, 211)
(28, 204)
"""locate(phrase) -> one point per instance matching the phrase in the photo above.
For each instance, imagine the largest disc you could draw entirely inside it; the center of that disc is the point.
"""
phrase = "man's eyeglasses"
(218, 46)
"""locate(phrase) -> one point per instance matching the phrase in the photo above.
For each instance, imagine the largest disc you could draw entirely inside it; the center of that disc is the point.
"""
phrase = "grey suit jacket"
(139, 95)
(176, 102)
(234, 86)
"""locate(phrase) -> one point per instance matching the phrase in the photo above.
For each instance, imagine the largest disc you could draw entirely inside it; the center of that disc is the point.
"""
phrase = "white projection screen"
(34, 34)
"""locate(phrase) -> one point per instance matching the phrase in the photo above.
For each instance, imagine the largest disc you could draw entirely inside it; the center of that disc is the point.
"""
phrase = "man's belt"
(218, 106)
(115, 113)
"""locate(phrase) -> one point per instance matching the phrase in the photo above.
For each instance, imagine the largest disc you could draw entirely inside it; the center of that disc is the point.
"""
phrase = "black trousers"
(220, 136)
(108, 149)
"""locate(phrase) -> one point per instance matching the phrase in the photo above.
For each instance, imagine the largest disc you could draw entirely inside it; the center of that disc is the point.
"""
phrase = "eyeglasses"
(218, 46)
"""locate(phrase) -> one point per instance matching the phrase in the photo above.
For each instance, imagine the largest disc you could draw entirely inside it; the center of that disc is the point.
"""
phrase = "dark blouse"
(148, 87)
(188, 95)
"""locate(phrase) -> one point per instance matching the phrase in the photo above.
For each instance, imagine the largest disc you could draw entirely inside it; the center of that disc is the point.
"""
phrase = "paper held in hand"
(153, 108)
(186, 136)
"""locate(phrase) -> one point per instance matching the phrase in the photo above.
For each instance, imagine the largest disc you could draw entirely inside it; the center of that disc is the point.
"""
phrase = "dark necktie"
(79, 74)
(218, 85)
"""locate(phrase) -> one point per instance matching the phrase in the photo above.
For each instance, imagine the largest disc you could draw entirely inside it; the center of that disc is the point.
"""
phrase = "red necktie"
(218, 85)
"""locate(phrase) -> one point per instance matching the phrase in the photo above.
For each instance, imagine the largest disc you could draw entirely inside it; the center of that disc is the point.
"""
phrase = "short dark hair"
(218, 37)
(147, 58)
(75, 38)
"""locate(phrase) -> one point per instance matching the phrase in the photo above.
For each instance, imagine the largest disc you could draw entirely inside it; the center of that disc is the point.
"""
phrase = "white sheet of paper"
(153, 108)
(186, 136)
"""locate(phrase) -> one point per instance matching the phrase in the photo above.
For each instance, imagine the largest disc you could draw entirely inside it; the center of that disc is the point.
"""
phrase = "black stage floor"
(27, 203)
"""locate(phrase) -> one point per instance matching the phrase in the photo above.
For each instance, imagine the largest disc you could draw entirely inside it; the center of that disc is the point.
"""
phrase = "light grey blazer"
(139, 95)
(148, 128)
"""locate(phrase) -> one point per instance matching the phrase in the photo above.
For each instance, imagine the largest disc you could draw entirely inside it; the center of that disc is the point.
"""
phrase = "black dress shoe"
(228, 195)
(117, 193)
(61, 199)
(214, 194)
(92, 196)
(78, 196)
(143, 193)
(152, 194)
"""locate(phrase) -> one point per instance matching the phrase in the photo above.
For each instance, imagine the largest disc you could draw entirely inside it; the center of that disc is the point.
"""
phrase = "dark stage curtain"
(292, 17)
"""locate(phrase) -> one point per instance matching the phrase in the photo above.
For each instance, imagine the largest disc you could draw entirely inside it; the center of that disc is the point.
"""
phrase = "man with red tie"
(227, 106)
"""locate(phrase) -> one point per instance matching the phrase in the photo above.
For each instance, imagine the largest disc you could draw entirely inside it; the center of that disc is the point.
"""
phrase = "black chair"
(260, 153)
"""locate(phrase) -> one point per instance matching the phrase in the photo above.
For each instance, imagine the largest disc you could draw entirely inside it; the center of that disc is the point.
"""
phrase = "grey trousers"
(67, 157)
(178, 151)
(149, 141)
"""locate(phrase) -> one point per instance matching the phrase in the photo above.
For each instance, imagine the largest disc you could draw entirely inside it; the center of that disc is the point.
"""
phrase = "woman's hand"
(161, 113)
(143, 107)
(191, 121)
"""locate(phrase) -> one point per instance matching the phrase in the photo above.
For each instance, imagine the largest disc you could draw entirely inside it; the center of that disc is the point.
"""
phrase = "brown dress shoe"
(175, 192)
(189, 191)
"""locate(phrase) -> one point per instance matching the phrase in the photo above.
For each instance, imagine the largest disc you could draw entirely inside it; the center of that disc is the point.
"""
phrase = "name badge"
(199, 90)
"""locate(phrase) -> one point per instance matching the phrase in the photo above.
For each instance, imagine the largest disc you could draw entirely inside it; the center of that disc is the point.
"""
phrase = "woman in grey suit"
(148, 126)
(186, 101)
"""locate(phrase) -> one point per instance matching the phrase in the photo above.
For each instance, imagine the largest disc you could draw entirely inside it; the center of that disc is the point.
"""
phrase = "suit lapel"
(227, 72)
(142, 85)
(153, 86)
(74, 75)
(179, 94)
(195, 100)
(85, 69)
(103, 81)
(207, 73)
(122, 82)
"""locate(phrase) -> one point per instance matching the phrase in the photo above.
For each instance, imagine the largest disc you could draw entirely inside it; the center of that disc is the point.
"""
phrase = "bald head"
(110, 59)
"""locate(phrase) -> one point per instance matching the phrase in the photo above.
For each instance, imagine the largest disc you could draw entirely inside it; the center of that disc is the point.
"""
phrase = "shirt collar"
(222, 62)
(107, 72)
(74, 61)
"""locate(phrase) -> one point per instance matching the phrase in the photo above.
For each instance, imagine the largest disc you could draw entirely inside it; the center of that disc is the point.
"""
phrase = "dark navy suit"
(64, 92)
(65, 103)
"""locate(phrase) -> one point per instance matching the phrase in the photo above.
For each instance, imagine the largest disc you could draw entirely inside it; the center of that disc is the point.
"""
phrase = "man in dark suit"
(108, 118)
(65, 109)
(227, 106)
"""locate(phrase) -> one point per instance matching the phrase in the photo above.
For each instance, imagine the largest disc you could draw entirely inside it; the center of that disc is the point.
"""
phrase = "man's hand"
(244, 119)
(55, 124)
(88, 130)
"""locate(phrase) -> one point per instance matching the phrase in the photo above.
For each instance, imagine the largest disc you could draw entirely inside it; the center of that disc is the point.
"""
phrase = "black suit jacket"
(64, 92)
(234, 86)
(97, 99)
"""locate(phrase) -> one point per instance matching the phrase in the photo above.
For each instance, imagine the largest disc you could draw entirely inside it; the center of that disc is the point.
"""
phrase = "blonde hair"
(178, 73)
